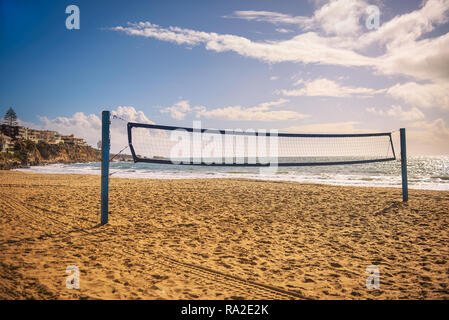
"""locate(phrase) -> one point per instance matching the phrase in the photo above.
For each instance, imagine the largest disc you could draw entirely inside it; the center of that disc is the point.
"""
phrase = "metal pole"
(105, 146)
(404, 166)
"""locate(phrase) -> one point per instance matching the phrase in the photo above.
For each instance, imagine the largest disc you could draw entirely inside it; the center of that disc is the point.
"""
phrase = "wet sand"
(219, 239)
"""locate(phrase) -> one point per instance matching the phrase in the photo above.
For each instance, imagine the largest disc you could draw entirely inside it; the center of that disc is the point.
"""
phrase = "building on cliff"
(33, 135)
(5, 143)
(14, 133)
(50, 137)
(73, 140)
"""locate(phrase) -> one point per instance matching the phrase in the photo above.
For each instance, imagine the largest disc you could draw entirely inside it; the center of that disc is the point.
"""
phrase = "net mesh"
(161, 144)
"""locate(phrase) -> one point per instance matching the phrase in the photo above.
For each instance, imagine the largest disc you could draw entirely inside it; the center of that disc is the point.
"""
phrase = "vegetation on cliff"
(29, 153)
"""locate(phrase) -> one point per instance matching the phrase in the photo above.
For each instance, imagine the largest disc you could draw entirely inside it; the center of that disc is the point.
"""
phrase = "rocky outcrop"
(27, 153)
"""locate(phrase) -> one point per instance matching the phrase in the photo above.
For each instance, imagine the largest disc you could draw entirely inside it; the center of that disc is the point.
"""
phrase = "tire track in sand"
(223, 280)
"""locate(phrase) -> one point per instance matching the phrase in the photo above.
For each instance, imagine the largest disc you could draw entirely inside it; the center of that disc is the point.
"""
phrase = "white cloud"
(260, 112)
(80, 124)
(328, 88)
(272, 78)
(408, 27)
(398, 113)
(271, 17)
(180, 109)
(332, 127)
(340, 17)
(88, 126)
(307, 47)
(429, 138)
(266, 105)
(337, 17)
(171, 34)
(425, 59)
(340, 35)
(237, 113)
(282, 30)
(130, 114)
(407, 52)
(432, 95)
(28, 124)
(335, 34)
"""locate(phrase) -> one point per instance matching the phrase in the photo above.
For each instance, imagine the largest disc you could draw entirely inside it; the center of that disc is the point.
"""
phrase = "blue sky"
(289, 65)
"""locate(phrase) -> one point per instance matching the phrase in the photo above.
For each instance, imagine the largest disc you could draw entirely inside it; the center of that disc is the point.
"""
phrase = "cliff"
(28, 153)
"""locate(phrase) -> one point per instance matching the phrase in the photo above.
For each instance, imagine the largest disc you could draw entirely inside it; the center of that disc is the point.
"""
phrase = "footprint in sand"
(159, 277)
(335, 265)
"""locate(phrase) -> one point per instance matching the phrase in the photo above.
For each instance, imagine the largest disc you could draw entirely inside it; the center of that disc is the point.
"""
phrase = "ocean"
(429, 173)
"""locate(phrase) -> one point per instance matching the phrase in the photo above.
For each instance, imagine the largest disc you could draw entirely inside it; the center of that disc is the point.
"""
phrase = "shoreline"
(165, 174)
(397, 191)
(15, 165)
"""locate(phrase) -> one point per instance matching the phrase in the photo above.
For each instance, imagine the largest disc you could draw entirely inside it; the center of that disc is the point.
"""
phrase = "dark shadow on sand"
(56, 235)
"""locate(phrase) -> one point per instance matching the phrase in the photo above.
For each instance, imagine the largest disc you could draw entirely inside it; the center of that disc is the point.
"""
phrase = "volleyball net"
(196, 146)
(150, 143)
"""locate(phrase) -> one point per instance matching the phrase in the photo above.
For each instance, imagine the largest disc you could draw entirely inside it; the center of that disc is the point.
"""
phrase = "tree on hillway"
(10, 118)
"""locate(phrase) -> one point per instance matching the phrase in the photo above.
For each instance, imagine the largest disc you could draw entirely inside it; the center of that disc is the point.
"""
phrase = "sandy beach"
(219, 239)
